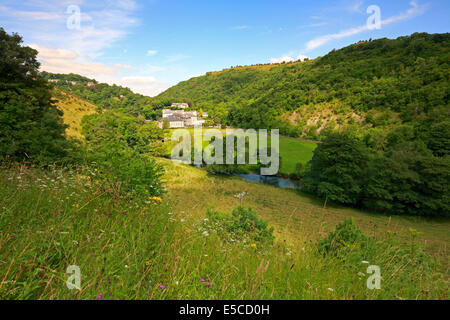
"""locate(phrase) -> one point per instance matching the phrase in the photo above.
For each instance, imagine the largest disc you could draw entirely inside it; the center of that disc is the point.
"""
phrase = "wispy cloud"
(65, 61)
(240, 28)
(356, 7)
(45, 22)
(152, 53)
(415, 10)
(63, 50)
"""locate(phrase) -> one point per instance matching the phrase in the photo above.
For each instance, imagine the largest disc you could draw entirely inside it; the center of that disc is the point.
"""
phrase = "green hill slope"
(74, 109)
(380, 83)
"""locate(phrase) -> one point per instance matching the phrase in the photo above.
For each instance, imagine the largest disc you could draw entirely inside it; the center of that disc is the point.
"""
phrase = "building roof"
(173, 119)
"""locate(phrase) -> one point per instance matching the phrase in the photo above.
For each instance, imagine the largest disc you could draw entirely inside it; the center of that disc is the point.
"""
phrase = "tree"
(337, 170)
(31, 127)
(166, 124)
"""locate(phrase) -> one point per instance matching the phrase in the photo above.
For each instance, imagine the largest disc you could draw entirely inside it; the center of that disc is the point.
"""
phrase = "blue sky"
(150, 45)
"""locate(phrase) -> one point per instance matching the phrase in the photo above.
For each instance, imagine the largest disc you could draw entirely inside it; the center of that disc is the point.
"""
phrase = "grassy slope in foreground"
(130, 249)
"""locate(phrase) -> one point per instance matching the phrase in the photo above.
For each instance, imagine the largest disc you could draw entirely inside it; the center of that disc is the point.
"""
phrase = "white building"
(167, 113)
(180, 118)
(180, 105)
(174, 122)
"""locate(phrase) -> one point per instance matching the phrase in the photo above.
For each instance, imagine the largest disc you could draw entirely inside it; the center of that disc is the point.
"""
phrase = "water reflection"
(272, 181)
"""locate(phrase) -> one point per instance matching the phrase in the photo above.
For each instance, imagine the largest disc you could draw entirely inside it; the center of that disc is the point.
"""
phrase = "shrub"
(242, 224)
(346, 235)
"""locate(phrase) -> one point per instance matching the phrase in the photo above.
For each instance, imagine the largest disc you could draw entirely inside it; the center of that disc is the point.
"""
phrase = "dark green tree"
(338, 168)
(30, 125)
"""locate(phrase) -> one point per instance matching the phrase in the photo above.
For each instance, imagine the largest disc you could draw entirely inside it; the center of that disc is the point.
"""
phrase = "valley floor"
(297, 217)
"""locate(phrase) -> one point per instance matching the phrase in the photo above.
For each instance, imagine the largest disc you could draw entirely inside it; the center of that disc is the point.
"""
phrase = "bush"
(346, 235)
(242, 224)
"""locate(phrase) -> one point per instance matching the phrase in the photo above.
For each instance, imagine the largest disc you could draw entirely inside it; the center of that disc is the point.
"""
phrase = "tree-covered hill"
(379, 83)
(104, 95)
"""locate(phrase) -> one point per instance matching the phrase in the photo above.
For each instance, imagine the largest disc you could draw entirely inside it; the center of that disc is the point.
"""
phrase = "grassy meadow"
(133, 248)
(292, 151)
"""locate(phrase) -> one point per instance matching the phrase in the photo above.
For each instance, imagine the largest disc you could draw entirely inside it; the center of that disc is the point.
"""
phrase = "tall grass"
(135, 248)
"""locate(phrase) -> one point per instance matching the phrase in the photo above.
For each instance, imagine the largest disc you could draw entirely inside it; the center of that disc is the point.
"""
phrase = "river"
(271, 181)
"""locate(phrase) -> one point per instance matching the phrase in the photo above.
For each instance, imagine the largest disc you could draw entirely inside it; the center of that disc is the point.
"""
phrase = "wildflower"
(203, 280)
(124, 212)
(156, 200)
(365, 262)
(99, 297)
(162, 286)
(330, 289)
(61, 211)
(55, 214)
(253, 245)
(206, 233)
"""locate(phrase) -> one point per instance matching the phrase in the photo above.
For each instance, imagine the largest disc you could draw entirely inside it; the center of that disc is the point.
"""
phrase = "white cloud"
(45, 23)
(151, 52)
(144, 85)
(65, 61)
(30, 15)
(415, 10)
(282, 59)
(50, 53)
(88, 69)
(288, 59)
